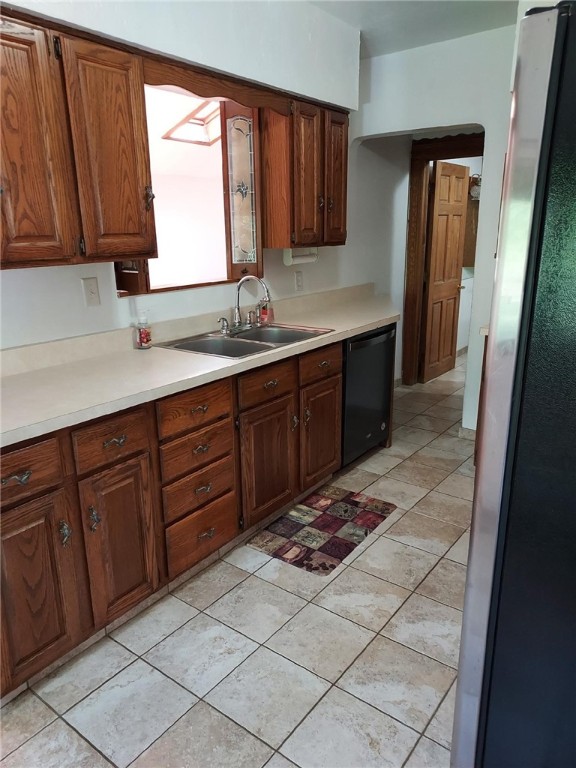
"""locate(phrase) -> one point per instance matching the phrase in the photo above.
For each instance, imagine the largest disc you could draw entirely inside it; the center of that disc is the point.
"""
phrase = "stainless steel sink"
(279, 334)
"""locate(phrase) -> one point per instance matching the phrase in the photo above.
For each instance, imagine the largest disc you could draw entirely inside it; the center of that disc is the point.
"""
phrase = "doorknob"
(461, 287)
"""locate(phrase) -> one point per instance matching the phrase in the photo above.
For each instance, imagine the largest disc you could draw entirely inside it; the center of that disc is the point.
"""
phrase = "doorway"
(423, 310)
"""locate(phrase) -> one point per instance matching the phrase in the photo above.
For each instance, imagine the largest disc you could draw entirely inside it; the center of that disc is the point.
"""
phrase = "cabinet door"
(40, 218)
(105, 89)
(118, 517)
(336, 171)
(321, 430)
(40, 613)
(309, 201)
(268, 450)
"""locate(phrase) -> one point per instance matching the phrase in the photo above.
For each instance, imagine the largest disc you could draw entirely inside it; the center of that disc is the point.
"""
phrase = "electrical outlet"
(91, 291)
(298, 280)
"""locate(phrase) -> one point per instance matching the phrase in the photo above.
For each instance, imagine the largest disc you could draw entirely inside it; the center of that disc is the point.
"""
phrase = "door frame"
(424, 151)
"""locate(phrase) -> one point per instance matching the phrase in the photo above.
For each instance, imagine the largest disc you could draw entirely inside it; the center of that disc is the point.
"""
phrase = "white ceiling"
(388, 26)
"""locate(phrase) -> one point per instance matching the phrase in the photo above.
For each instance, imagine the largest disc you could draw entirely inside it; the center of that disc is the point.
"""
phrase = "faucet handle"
(224, 326)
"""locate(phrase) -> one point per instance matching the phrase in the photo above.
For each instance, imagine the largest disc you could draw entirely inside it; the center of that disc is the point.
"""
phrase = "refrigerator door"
(519, 228)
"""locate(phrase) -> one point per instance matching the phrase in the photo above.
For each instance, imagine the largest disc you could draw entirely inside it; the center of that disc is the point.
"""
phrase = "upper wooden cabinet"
(75, 164)
(304, 174)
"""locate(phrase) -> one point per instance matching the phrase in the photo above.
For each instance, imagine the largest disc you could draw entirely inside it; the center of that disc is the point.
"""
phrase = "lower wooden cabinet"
(320, 430)
(117, 516)
(42, 584)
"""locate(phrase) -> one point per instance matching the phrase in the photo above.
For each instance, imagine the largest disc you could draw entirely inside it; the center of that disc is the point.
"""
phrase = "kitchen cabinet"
(304, 172)
(75, 175)
(198, 473)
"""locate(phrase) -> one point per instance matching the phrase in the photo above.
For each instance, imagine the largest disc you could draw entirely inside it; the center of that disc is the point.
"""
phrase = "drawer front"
(29, 470)
(320, 364)
(196, 536)
(186, 495)
(188, 453)
(193, 409)
(109, 441)
(267, 383)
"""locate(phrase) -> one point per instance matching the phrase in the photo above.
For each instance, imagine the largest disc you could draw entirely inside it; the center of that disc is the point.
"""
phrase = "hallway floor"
(254, 662)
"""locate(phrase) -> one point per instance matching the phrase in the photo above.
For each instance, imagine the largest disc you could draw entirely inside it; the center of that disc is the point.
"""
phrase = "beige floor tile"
(453, 401)
(320, 641)
(400, 448)
(446, 508)
(57, 746)
(458, 485)
(256, 608)
(404, 495)
(207, 587)
(453, 375)
(410, 471)
(391, 520)
(428, 627)
(21, 719)
(362, 598)
(447, 414)
(440, 387)
(247, 558)
(431, 423)
(432, 457)
(296, 580)
(277, 761)
(441, 725)
(202, 738)
(395, 562)
(445, 583)
(425, 533)
(354, 479)
(419, 437)
(268, 695)
(343, 732)
(398, 681)
(416, 402)
(456, 445)
(215, 649)
(459, 552)
(379, 462)
(468, 468)
(82, 675)
(400, 417)
(428, 754)
(129, 712)
(362, 547)
(153, 625)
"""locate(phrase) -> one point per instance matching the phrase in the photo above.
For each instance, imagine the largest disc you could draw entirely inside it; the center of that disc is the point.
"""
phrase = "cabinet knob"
(199, 409)
(21, 479)
(204, 488)
(201, 449)
(148, 197)
(307, 416)
(320, 202)
(295, 422)
(65, 532)
(330, 204)
(324, 364)
(271, 384)
(209, 534)
(119, 441)
(94, 518)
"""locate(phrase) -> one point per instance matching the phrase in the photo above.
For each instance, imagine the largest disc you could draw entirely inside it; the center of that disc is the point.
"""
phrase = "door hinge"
(293, 237)
(237, 422)
(241, 522)
(57, 47)
(82, 246)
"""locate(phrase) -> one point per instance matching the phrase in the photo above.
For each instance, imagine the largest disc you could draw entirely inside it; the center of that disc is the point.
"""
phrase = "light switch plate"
(91, 291)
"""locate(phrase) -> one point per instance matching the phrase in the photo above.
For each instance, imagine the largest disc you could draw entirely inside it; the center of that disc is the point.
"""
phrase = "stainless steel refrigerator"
(516, 692)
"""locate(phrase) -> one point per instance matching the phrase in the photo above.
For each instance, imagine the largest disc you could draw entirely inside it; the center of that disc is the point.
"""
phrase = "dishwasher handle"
(379, 339)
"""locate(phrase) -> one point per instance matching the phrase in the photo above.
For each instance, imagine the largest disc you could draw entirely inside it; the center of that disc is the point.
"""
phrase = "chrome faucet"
(237, 318)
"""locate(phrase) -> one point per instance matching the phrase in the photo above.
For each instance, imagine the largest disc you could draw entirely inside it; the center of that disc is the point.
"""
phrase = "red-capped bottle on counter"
(143, 332)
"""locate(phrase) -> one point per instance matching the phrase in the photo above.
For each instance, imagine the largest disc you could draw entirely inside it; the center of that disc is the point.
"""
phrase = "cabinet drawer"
(193, 409)
(30, 470)
(196, 536)
(187, 453)
(191, 492)
(267, 383)
(320, 364)
(109, 440)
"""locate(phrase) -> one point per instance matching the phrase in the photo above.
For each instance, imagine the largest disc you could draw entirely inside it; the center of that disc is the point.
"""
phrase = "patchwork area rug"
(320, 531)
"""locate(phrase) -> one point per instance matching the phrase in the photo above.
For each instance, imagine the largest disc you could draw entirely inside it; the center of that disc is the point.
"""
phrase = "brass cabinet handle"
(320, 202)
(20, 479)
(94, 518)
(330, 204)
(199, 409)
(324, 364)
(209, 534)
(65, 532)
(148, 197)
(307, 416)
(295, 422)
(119, 441)
(201, 448)
(204, 488)
(271, 384)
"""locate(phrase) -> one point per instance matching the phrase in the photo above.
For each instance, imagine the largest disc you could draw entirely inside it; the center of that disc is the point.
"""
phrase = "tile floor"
(254, 662)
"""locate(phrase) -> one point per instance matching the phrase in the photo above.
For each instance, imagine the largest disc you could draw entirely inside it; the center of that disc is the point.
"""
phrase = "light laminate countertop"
(38, 402)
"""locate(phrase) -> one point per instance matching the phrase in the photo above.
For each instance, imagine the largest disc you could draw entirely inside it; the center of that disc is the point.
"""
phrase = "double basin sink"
(245, 341)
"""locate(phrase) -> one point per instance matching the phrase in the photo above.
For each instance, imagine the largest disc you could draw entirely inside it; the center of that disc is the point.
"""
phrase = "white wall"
(457, 83)
(289, 45)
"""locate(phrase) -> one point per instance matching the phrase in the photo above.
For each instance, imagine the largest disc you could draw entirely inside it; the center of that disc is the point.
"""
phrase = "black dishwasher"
(368, 384)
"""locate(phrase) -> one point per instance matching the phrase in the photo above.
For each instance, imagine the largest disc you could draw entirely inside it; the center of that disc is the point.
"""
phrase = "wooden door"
(336, 176)
(268, 449)
(443, 271)
(40, 216)
(321, 430)
(40, 613)
(105, 89)
(309, 199)
(117, 515)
